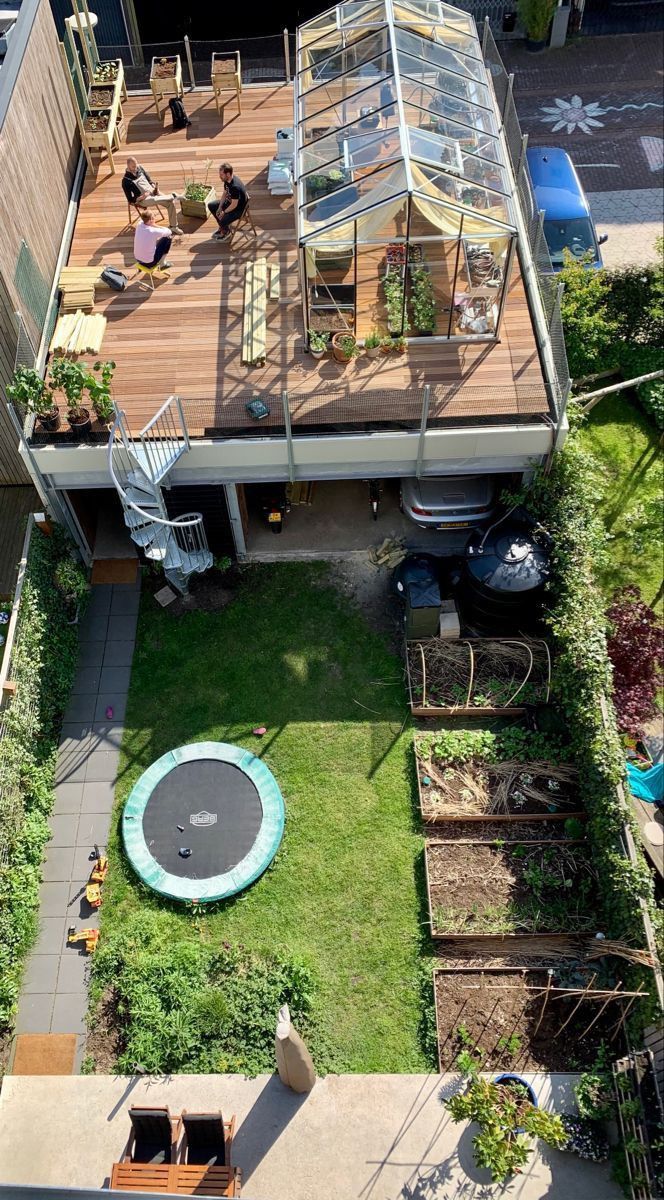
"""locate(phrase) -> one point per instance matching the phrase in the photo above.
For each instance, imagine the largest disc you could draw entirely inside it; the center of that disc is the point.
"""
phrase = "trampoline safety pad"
(218, 804)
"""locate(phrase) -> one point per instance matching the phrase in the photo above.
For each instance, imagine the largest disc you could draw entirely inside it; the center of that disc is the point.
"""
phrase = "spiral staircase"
(140, 468)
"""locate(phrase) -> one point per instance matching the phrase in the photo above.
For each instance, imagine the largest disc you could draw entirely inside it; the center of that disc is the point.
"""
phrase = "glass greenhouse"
(405, 216)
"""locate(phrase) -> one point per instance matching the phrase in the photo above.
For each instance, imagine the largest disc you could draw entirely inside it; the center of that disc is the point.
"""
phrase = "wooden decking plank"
(189, 337)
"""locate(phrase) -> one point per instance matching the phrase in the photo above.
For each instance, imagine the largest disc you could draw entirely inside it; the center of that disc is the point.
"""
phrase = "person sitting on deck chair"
(233, 204)
(151, 244)
(141, 191)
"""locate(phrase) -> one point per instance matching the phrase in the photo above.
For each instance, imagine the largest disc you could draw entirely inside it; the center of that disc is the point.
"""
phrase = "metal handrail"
(149, 517)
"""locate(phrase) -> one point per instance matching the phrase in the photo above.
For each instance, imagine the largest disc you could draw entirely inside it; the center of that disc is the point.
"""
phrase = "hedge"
(43, 666)
(564, 501)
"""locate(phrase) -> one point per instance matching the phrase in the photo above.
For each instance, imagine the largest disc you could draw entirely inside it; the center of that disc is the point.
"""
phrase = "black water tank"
(503, 578)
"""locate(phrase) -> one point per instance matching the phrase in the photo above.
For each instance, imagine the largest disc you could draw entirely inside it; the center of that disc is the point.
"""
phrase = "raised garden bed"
(509, 889)
(458, 830)
(97, 122)
(502, 791)
(641, 1122)
(505, 1020)
(492, 676)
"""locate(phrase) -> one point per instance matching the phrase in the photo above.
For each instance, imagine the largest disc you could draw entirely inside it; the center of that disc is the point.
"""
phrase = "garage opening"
(329, 517)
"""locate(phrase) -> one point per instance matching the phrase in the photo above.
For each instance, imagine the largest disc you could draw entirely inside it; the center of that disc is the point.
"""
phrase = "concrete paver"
(355, 1137)
(633, 220)
(118, 653)
(54, 994)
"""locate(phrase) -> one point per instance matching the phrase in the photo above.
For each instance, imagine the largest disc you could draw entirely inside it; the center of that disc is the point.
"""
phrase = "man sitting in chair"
(151, 244)
(141, 191)
(233, 204)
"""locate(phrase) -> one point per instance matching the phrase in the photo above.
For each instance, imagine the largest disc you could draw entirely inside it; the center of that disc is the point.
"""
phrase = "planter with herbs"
(344, 347)
(319, 343)
(31, 395)
(197, 195)
(422, 301)
(508, 1121)
(397, 315)
(166, 79)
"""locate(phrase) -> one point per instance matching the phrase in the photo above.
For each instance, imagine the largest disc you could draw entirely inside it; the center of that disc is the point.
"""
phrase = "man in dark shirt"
(231, 206)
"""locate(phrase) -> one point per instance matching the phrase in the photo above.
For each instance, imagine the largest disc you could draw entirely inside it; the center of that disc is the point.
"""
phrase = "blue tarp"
(647, 785)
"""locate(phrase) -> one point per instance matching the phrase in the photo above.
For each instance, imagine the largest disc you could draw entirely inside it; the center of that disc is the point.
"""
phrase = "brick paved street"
(601, 100)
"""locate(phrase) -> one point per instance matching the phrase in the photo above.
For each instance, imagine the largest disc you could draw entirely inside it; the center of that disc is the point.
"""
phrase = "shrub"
(636, 650)
(43, 664)
(183, 1004)
(590, 328)
(635, 297)
(501, 1110)
(564, 501)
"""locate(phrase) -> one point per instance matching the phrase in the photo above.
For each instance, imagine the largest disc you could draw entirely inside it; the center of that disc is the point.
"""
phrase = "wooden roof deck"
(186, 337)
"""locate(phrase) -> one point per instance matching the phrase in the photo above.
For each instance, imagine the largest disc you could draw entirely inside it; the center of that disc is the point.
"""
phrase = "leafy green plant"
(373, 340)
(509, 1044)
(43, 665)
(29, 392)
(422, 300)
(197, 1006)
(196, 189)
(71, 378)
(348, 346)
(536, 17)
(71, 580)
(573, 828)
(590, 329)
(318, 341)
(393, 287)
(468, 1063)
(501, 1110)
(223, 563)
(464, 1036)
(99, 390)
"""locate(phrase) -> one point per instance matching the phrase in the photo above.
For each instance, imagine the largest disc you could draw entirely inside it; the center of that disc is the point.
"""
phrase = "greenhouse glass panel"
(482, 145)
(405, 203)
(440, 56)
(339, 91)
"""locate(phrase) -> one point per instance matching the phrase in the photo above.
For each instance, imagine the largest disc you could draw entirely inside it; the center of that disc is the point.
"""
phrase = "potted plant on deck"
(536, 17)
(507, 1114)
(72, 378)
(29, 392)
(393, 287)
(99, 391)
(344, 347)
(372, 344)
(423, 301)
(318, 342)
(197, 195)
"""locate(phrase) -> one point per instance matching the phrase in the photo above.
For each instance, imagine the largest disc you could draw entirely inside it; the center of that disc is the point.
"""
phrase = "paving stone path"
(54, 996)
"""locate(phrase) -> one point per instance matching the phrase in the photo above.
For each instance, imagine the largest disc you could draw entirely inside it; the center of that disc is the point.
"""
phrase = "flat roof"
(186, 337)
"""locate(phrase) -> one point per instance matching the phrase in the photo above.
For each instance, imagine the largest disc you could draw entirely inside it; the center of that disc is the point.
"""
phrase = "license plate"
(454, 525)
(274, 517)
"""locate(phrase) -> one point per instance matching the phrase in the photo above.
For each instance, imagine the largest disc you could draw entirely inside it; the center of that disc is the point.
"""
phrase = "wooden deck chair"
(208, 1139)
(239, 226)
(154, 1136)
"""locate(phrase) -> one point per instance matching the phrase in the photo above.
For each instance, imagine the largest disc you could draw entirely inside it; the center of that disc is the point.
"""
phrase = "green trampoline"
(203, 822)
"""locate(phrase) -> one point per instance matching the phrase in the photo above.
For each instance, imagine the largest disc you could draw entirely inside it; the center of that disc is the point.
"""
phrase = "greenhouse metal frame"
(405, 200)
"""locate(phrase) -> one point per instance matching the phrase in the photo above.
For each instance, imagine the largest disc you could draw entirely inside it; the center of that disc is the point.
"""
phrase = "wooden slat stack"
(76, 333)
(77, 285)
(255, 308)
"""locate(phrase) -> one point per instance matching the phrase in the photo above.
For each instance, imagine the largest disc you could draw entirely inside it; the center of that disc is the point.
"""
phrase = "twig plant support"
(496, 676)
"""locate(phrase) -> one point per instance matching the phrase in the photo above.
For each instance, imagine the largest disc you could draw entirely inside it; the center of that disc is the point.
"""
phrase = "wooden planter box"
(165, 86)
(198, 208)
(422, 706)
(510, 938)
(226, 76)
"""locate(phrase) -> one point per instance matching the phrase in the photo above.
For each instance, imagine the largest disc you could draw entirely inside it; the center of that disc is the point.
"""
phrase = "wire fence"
(262, 59)
(548, 288)
(19, 717)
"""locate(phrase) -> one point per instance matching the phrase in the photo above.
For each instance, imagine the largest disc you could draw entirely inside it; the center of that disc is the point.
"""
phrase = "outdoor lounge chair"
(154, 1136)
(208, 1139)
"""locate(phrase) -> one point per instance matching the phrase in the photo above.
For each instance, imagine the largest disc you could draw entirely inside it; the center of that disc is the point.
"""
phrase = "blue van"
(567, 220)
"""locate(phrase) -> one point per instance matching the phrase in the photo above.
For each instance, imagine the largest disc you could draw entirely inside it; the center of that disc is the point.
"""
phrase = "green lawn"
(626, 447)
(342, 893)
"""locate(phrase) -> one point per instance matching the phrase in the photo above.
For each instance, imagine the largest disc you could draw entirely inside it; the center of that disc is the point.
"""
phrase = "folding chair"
(150, 273)
(131, 204)
(237, 226)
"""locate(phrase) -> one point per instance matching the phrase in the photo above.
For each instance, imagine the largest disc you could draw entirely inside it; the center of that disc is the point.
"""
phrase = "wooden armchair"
(207, 1139)
(154, 1136)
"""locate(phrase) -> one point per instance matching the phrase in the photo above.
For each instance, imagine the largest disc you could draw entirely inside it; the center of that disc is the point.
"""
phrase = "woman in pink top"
(150, 243)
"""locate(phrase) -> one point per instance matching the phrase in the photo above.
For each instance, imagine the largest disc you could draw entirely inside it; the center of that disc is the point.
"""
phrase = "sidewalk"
(54, 997)
(354, 1137)
(633, 220)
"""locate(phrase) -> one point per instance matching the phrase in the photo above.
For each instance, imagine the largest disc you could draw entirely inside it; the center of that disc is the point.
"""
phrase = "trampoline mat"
(226, 811)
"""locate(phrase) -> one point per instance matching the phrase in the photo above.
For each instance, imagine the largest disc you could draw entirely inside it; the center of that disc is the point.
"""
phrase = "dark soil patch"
(105, 1041)
(164, 69)
(101, 97)
(207, 593)
(514, 888)
(96, 122)
(498, 831)
(502, 1024)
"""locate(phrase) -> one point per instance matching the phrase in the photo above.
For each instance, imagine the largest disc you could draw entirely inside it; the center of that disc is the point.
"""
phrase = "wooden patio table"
(182, 1179)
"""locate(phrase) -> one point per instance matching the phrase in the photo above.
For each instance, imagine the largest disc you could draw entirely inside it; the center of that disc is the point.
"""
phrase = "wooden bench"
(255, 310)
(180, 1179)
